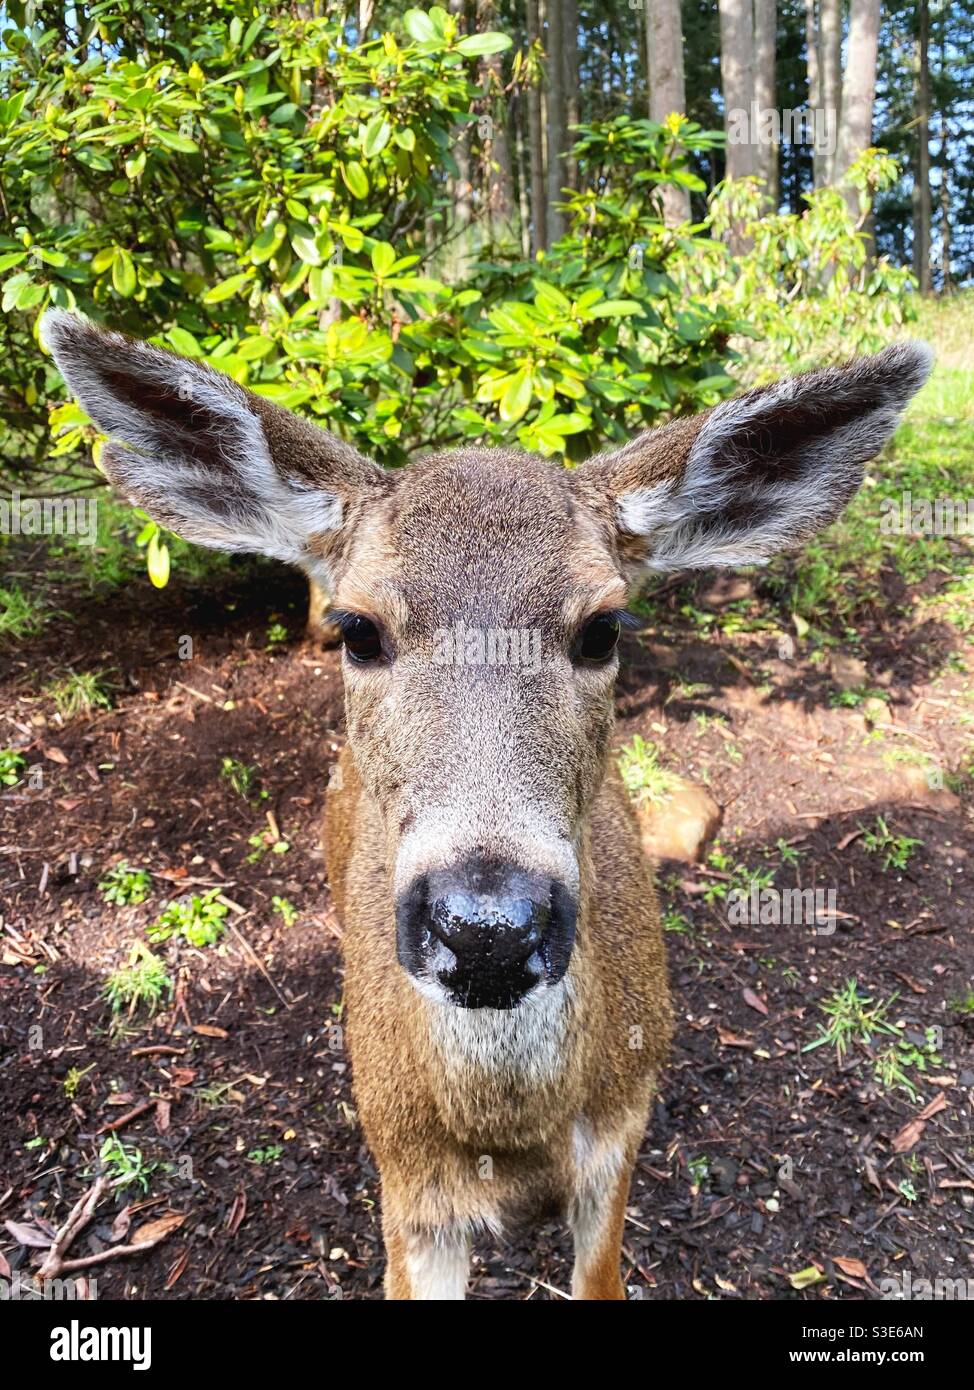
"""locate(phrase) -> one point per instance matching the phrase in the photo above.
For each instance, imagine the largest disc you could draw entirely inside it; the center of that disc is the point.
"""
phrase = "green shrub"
(254, 192)
(804, 282)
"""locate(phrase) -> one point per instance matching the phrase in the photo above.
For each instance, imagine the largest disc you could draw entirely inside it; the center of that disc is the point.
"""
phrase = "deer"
(508, 1008)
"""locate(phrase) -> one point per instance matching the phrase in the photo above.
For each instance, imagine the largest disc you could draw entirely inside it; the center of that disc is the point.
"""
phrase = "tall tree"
(830, 68)
(858, 90)
(737, 81)
(819, 158)
(557, 111)
(539, 194)
(495, 137)
(667, 89)
(570, 79)
(765, 89)
(923, 219)
(946, 279)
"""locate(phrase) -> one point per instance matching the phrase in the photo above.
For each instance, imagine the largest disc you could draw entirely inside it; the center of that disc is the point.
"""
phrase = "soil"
(768, 1171)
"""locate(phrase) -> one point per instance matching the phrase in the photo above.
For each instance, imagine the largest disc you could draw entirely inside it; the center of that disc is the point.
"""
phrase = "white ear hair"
(188, 445)
(769, 469)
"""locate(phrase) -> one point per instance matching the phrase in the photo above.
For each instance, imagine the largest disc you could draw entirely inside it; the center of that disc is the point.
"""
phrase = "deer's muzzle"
(483, 935)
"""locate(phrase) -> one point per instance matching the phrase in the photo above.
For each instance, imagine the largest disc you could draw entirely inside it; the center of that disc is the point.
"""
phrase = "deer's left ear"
(757, 474)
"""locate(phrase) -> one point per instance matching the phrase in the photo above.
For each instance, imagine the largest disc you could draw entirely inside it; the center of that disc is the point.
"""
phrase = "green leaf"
(250, 349)
(614, 309)
(123, 273)
(227, 289)
(376, 136)
(184, 342)
(306, 247)
(478, 45)
(30, 296)
(266, 244)
(356, 179)
(383, 258)
(517, 397)
(182, 144)
(420, 27)
(157, 561)
(568, 424)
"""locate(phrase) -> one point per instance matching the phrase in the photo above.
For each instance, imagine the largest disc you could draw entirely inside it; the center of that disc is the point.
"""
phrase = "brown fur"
(432, 1126)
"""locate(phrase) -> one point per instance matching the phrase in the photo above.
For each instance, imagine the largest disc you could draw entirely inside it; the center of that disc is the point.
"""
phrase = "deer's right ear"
(205, 457)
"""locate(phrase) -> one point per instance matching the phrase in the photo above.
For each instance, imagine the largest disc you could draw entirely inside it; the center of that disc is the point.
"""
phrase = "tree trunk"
(737, 81)
(366, 12)
(814, 87)
(921, 243)
(462, 186)
(498, 177)
(858, 91)
(539, 207)
(523, 201)
(667, 90)
(765, 90)
(557, 119)
(570, 79)
(946, 240)
(830, 46)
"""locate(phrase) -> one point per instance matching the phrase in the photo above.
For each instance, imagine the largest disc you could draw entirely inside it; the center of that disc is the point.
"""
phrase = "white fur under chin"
(526, 1043)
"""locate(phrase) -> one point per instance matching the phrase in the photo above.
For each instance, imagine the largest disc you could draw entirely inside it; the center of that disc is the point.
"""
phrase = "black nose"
(486, 933)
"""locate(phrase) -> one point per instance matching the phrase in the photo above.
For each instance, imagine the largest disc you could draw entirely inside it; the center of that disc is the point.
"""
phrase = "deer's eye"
(598, 639)
(361, 638)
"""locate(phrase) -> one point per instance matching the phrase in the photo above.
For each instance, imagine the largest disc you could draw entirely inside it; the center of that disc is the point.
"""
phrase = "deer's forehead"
(489, 534)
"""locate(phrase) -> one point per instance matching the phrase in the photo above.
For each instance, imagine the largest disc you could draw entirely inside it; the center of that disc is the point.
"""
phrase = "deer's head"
(479, 593)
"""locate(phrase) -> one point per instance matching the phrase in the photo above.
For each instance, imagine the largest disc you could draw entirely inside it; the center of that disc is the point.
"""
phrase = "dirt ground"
(768, 1171)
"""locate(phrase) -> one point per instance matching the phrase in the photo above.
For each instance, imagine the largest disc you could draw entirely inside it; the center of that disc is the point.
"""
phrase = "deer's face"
(480, 610)
(479, 596)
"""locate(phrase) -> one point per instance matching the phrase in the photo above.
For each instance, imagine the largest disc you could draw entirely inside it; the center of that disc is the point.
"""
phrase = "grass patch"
(143, 983)
(125, 1164)
(856, 1019)
(241, 777)
(285, 909)
(642, 773)
(897, 850)
(853, 1018)
(21, 615)
(80, 692)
